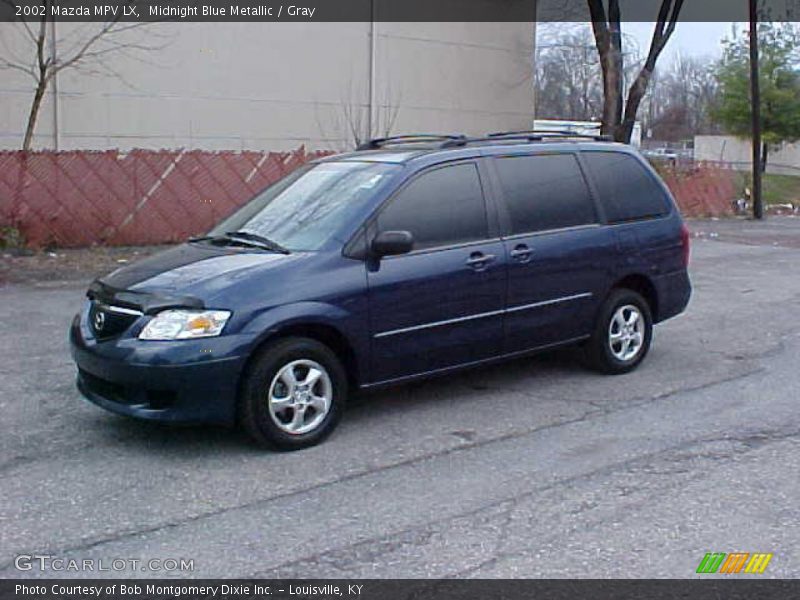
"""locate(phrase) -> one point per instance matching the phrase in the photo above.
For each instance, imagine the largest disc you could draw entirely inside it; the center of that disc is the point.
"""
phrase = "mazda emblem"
(99, 321)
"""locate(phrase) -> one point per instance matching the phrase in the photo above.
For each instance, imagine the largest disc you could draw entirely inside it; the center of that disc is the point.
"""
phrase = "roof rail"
(460, 140)
(417, 138)
(541, 134)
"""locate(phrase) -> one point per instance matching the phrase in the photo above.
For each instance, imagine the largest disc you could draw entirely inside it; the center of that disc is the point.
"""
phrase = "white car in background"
(665, 154)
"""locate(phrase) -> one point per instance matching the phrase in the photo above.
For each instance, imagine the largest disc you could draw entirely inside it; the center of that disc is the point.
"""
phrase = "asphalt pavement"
(534, 468)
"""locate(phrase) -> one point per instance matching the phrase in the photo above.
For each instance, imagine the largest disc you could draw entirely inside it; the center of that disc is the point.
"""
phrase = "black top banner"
(380, 10)
(410, 589)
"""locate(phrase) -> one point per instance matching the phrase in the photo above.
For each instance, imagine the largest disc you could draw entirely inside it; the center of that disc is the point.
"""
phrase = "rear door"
(441, 305)
(559, 255)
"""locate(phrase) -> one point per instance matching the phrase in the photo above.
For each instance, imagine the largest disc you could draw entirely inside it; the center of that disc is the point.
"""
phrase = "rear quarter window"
(627, 190)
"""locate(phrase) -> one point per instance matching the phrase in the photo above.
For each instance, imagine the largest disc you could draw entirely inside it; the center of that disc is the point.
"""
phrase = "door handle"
(479, 261)
(522, 254)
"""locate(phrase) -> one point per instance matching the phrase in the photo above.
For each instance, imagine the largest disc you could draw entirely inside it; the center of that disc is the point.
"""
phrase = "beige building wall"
(272, 86)
(784, 160)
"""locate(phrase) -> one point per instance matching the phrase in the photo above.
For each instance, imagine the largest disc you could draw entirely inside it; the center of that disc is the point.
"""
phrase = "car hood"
(188, 274)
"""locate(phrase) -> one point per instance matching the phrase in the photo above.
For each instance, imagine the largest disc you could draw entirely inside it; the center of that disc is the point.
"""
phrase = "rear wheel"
(622, 334)
(293, 394)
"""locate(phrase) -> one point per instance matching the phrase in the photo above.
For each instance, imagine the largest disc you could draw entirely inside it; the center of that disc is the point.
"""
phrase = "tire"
(282, 415)
(606, 349)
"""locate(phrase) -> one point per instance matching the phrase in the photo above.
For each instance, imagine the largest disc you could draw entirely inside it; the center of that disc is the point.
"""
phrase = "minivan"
(411, 257)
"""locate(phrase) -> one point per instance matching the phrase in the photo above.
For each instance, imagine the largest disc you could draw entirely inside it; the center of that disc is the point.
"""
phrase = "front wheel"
(293, 394)
(622, 334)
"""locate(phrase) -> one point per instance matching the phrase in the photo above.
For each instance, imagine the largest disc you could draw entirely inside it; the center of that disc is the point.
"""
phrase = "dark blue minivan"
(411, 257)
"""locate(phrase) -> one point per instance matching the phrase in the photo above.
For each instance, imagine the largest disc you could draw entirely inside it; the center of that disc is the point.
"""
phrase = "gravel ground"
(67, 264)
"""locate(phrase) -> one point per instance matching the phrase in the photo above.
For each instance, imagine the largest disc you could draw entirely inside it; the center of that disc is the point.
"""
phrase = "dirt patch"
(82, 264)
(778, 231)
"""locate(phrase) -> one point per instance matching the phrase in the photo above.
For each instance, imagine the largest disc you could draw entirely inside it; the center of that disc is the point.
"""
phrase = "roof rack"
(540, 134)
(417, 138)
(523, 136)
(459, 140)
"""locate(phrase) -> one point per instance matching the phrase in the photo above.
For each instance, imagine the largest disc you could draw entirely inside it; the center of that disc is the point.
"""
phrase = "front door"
(442, 304)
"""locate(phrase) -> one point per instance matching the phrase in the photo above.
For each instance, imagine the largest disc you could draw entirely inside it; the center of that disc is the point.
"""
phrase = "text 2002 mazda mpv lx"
(411, 257)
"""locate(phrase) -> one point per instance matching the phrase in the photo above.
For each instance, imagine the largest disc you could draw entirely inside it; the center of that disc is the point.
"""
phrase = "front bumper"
(187, 381)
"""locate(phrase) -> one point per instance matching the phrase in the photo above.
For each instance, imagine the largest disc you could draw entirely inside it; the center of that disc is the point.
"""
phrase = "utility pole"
(755, 94)
(372, 109)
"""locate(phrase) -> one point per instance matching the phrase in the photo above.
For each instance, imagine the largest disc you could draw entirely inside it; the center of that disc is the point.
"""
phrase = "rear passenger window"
(627, 190)
(442, 207)
(545, 192)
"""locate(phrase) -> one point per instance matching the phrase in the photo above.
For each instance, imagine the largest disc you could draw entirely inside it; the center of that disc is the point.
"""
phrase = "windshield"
(303, 210)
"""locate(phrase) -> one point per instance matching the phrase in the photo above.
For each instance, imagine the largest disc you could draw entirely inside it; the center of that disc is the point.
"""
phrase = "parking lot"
(535, 468)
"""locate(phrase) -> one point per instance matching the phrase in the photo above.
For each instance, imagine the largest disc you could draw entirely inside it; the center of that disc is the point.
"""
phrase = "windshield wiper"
(244, 238)
(257, 240)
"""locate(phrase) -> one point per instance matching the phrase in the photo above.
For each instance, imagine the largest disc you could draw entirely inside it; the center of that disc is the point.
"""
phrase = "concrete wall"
(276, 85)
(738, 152)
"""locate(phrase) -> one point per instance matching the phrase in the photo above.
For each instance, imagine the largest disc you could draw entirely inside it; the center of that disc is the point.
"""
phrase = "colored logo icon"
(735, 562)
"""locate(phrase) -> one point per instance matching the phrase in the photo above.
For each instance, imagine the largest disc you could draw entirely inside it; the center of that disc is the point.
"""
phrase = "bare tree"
(87, 48)
(567, 74)
(569, 80)
(688, 91)
(354, 123)
(619, 114)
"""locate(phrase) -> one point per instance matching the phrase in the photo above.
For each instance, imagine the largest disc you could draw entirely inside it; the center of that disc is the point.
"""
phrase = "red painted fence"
(80, 198)
(703, 189)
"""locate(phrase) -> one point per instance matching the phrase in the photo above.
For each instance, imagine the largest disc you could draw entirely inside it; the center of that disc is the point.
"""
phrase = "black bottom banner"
(398, 589)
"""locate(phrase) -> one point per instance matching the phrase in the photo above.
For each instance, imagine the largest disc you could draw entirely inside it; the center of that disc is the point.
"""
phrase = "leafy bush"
(11, 237)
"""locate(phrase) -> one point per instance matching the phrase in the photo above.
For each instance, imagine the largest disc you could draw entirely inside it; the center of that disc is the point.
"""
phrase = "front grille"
(108, 321)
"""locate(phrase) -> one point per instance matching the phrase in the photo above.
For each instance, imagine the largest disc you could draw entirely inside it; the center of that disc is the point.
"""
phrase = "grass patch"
(781, 189)
(778, 189)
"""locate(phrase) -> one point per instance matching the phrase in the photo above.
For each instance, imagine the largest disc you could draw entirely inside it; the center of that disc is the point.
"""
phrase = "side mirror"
(392, 243)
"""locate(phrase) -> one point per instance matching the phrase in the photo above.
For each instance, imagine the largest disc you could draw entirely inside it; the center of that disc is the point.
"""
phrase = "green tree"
(780, 86)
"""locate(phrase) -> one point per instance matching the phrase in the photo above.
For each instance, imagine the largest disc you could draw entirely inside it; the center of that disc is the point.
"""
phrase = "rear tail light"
(685, 244)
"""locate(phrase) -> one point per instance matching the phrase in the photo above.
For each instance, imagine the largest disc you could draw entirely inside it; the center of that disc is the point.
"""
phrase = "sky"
(690, 38)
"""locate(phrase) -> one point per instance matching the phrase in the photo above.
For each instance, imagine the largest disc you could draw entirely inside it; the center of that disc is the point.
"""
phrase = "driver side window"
(441, 207)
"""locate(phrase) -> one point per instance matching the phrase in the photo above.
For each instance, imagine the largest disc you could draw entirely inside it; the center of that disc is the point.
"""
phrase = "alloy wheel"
(626, 333)
(300, 396)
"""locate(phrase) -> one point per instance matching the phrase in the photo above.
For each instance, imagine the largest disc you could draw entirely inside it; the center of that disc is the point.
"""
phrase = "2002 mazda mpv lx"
(411, 257)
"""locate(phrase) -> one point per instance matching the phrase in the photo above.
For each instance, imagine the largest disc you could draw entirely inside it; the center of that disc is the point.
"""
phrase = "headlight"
(185, 324)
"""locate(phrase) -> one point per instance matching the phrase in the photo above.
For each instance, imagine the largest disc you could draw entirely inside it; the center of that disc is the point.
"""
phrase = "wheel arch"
(323, 333)
(642, 285)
